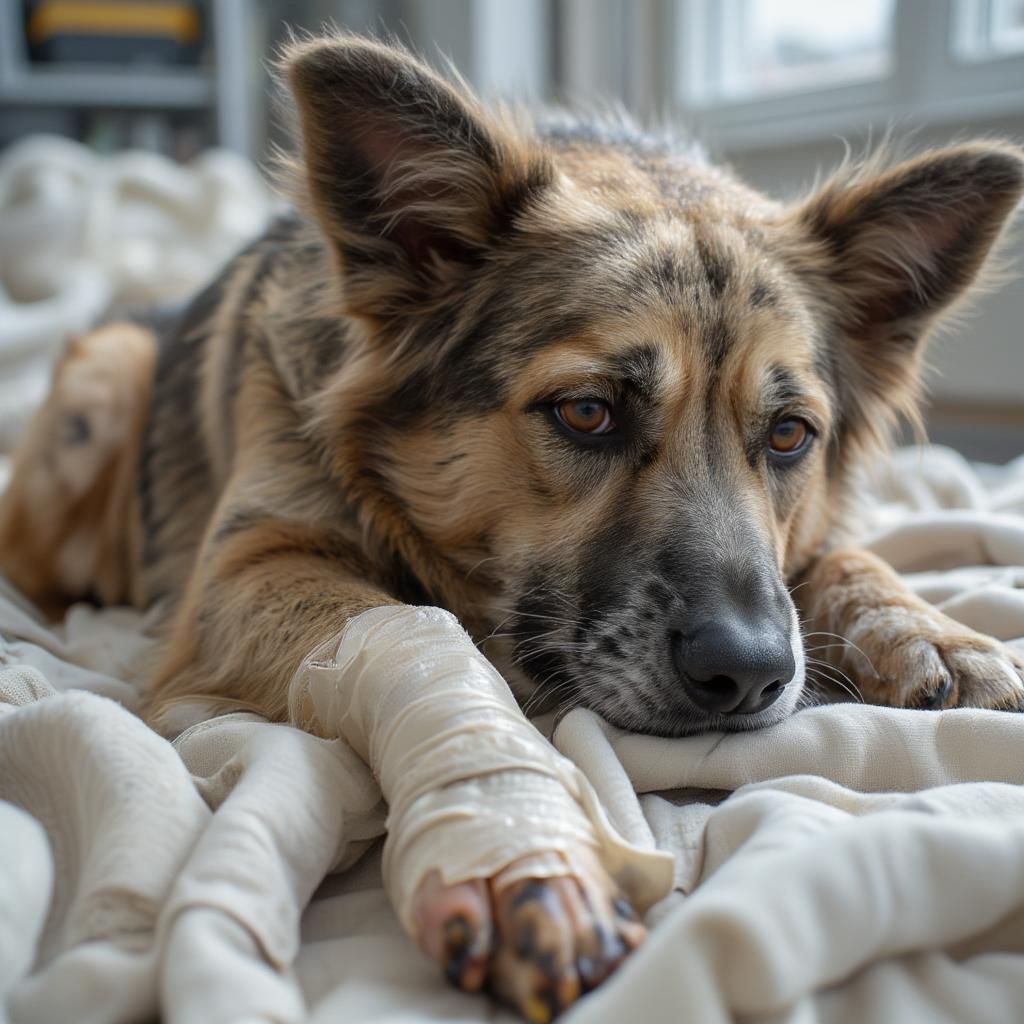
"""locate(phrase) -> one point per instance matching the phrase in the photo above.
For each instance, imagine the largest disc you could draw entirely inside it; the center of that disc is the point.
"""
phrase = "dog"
(565, 378)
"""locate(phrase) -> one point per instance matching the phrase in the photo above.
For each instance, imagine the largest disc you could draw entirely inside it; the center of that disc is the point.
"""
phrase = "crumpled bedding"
(850, 864)
(81, 233)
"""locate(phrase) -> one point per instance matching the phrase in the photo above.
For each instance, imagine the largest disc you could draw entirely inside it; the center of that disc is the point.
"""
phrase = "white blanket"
(851, 864)
(80, 233)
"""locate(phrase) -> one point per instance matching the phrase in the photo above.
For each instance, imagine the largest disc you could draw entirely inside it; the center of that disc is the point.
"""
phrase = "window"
(1007, 26)
(785, 45)
(987, 29)
(756, 73)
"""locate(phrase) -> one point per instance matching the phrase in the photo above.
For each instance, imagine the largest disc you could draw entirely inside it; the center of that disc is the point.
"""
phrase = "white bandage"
(471, 785)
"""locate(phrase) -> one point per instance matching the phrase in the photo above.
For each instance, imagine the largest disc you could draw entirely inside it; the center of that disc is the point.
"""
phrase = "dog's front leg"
(538, 927)
(480, 800)
(899, 650)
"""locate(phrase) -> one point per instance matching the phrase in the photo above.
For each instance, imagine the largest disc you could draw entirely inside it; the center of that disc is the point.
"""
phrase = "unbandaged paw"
(897, 649)
(917, 657)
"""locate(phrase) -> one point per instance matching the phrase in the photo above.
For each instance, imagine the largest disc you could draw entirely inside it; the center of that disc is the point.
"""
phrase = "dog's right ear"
(891, 250)
(408, 175)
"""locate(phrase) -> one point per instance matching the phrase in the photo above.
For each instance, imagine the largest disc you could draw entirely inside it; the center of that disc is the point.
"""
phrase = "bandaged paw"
(474, 791)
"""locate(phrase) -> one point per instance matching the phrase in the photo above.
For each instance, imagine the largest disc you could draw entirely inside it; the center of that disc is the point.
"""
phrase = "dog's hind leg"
(66, 518)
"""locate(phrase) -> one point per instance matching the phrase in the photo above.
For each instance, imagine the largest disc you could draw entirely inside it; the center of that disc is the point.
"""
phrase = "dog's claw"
(464, 961)
(938, 698)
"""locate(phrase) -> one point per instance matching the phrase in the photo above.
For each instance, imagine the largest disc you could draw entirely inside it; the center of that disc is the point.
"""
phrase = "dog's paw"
(535, 943)
(921, 659)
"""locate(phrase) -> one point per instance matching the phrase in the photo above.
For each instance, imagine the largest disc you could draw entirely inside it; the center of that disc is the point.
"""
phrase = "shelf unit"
(225, 87)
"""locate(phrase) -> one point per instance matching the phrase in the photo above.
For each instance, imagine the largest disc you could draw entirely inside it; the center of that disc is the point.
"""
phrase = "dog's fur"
(362, 409)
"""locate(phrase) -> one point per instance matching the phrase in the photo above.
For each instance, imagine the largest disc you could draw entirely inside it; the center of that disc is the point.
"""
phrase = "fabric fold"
(852, 863)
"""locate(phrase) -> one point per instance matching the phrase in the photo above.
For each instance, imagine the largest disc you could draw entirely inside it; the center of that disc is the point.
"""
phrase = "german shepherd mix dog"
(567, 380)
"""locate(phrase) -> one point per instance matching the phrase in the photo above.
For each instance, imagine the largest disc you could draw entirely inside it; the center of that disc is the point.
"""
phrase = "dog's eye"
(590, 416)
(789, 437)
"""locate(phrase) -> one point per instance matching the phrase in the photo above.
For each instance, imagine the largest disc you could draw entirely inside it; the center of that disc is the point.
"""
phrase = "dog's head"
(606, 394)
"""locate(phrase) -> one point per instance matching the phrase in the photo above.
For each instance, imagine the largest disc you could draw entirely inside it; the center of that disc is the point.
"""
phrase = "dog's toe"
(558, 938)
(455, 928)
(988, 675)
(539, 943)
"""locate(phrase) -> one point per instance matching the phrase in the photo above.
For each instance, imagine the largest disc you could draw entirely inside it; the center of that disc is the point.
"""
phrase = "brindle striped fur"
(360, 410)
(357, 410)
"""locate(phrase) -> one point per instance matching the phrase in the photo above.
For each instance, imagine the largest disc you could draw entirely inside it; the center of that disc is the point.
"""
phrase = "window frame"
(930, 80)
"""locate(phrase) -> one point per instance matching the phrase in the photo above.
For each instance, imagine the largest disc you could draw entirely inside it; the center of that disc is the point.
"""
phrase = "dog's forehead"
(610, 261)
(673, 302)
(625, 235)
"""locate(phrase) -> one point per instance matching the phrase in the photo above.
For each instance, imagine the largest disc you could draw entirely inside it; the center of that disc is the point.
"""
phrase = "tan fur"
(367, 407)
(68, 522)
(902, 651)
(330, 431)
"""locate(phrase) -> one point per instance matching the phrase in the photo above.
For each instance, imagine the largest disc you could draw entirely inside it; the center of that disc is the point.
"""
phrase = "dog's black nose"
(734, 667)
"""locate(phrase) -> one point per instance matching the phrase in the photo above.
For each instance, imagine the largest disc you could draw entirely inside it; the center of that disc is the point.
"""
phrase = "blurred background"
(90, 92)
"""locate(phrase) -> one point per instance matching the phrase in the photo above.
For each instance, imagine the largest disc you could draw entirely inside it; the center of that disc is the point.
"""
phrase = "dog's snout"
(732, 666)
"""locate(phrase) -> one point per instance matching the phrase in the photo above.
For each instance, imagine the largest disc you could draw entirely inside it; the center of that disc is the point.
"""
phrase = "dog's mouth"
(730, 673)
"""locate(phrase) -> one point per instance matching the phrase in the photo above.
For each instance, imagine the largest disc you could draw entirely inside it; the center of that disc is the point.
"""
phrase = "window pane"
(802, 44)
(988, 29)
(1007, 26)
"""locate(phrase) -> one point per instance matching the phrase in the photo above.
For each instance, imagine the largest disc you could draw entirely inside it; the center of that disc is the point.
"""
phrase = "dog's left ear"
(890, 250)
(408, 174)
(904, 244)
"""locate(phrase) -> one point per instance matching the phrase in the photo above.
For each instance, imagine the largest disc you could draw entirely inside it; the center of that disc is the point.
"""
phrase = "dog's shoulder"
(260, 334)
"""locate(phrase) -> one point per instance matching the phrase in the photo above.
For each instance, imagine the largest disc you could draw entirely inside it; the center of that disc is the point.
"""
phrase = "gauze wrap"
(471, 785)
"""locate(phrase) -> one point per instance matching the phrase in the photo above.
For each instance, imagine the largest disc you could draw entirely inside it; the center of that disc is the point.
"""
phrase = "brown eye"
(586, 416)
(789, 437)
